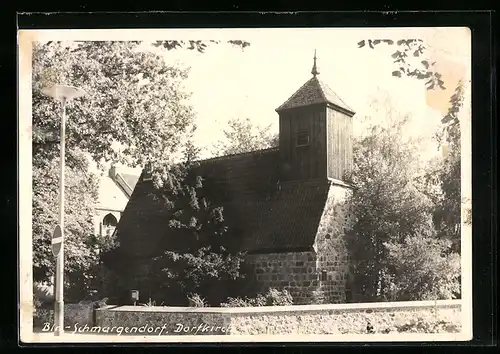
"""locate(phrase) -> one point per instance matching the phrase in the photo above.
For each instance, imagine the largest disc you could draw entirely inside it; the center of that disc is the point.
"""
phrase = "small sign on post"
(57, 241)
(134, 294)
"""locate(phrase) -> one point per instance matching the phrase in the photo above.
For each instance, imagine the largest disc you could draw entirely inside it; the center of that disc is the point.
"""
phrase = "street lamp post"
(63, 94)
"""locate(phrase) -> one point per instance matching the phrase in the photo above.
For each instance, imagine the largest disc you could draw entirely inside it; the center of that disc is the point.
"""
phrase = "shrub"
(424, 269)
(41, 316)
(318, 297)
(150, 303)
(196, 300)
(42, 295)
(273, 297)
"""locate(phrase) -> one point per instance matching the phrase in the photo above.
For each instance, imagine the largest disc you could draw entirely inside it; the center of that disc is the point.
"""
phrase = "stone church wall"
(319, 276)
(293, 271)
(332, 256)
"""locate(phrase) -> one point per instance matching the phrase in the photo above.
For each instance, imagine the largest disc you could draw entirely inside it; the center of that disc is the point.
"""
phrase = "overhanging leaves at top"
(198, 45)
(407, 49)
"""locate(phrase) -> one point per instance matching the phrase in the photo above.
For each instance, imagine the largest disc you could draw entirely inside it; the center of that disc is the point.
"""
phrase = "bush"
(196, 300)
(424, 269)
(273, 297)
(42, 295)
(318, 297)
(43, 301)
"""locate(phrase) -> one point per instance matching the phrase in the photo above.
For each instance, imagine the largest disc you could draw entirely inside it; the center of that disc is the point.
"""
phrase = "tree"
(202, 256)
(81, 192)
(241, 135)
(386, 205)
(410, 60)
(437, 276)
(420, 262)
(397, 253)
(424, 269)
(137, 88)
(197, 45)
(119, 109)
(134, 100)
(445, 175)
(135, 113)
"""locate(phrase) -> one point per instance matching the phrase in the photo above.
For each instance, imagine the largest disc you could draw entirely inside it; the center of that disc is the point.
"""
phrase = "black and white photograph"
(245, 185)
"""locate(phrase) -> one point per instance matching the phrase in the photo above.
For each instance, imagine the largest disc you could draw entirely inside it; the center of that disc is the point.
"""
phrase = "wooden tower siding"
(339, 143)
(319, 111)
(329, 153)
(305, 162)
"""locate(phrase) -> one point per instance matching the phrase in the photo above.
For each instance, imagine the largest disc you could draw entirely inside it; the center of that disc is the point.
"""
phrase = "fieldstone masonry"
(318, 276)
(81, 314)
(274, 320)
(293, 271)
(332, 261)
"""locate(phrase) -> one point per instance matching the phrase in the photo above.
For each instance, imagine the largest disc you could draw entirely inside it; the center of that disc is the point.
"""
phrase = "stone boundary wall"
(296, 319)
(81, 314)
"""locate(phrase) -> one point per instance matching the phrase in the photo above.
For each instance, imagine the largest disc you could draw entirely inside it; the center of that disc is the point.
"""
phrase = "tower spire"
(314, 70)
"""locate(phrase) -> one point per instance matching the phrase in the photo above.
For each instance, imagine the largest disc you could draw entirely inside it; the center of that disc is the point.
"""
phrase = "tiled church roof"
(270, 215)
(265, 214)
(314, 91)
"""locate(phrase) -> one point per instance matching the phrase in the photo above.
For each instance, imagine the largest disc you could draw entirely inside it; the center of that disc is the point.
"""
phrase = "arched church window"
(110, 220)
(109, 223)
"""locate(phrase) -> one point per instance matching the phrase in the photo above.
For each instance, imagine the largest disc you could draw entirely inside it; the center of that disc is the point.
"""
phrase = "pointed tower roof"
(315, 91)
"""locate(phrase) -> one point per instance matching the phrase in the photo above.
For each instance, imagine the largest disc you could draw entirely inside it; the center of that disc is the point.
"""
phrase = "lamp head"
(63, 92)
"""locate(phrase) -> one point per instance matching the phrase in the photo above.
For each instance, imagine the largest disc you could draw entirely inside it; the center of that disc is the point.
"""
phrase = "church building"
(115, 190)
(286, 204)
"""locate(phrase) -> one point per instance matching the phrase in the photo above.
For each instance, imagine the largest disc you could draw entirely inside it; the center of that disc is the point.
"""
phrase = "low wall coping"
(291, 308)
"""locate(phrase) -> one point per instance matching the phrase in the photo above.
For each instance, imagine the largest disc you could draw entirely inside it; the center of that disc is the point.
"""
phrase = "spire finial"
(314, 70)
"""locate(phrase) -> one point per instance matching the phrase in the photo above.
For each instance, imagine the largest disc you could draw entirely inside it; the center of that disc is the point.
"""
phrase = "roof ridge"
(321, 89)
(232, 156)
(315, 91)
(295, 93)
(322, 83)
(120, 181)
(128, 174)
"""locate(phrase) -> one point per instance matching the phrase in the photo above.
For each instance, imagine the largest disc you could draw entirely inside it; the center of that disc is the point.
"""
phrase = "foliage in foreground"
(201, 253)
(424, 269)
(81, 191)
(195, 300)
(121, 82)
(273, 297)
(397, 254)
(150, 118)
(406, 231)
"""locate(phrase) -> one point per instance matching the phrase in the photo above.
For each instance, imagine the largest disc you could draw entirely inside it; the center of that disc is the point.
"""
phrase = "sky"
(229, 82)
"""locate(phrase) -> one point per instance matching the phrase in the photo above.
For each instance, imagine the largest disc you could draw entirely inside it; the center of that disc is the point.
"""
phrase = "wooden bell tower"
(315, 132)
